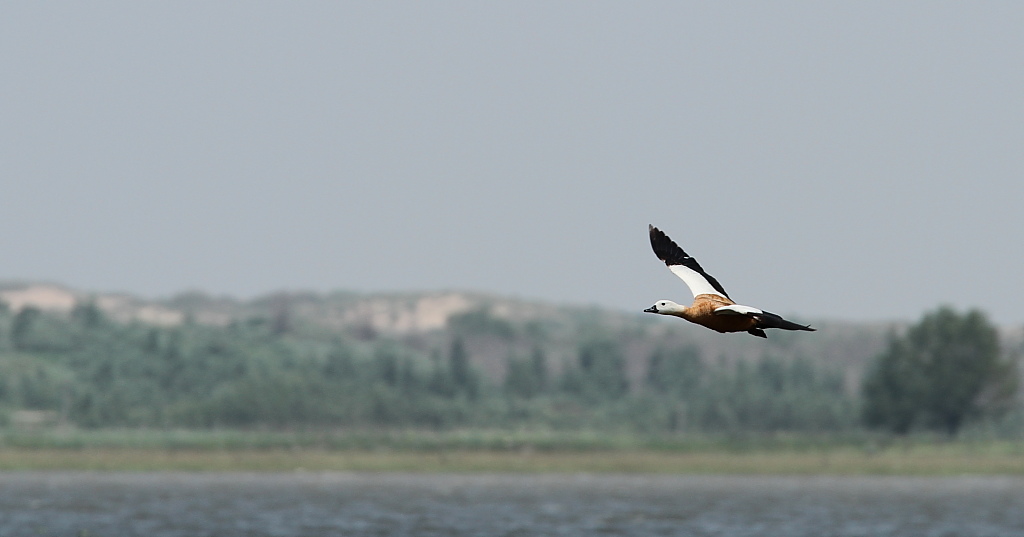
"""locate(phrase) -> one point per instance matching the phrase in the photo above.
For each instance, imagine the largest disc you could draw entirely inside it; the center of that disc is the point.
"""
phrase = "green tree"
(462, 374)
(88, 314)
(440, 382)
(387, 361)
(281, 321)
(677, 371)
(947, 369)
(21, 326)
(602, 371)
(539, 364)
(893, 389)
(340, 363)
(527, 377)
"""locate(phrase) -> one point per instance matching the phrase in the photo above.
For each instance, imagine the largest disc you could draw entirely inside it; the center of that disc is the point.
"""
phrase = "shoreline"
(910, 462)
(498, 451)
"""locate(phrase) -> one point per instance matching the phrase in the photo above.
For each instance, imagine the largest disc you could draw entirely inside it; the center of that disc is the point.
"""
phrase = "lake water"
(306, 504)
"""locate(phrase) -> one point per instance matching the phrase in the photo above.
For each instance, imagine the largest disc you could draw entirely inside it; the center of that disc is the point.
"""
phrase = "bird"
(712, 307)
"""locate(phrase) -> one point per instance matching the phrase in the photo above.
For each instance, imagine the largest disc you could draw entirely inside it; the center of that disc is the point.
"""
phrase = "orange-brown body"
(702, 312)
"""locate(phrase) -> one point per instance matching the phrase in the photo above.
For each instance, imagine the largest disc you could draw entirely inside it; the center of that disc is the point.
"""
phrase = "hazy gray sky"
(850, 161)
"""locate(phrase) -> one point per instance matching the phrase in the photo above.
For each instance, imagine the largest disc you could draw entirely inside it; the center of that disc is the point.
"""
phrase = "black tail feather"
(757, 332)
(771, 320)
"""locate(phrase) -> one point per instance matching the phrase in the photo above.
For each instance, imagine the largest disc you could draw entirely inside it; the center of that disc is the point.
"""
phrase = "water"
(224, 505)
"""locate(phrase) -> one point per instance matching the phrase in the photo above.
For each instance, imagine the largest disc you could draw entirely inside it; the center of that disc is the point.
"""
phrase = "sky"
(857, 161)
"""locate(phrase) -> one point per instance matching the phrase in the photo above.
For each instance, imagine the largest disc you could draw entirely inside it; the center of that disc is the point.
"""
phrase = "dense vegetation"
(945, 370)
(271, 372)
(276, 372)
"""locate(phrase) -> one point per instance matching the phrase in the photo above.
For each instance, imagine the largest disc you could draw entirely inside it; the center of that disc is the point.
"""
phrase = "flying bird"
(711, 306)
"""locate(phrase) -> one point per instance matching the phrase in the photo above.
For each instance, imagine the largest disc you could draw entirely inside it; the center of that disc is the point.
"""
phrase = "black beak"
(651, 309)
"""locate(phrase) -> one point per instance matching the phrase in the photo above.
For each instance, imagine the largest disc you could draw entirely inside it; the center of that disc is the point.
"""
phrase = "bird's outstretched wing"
(684, 266)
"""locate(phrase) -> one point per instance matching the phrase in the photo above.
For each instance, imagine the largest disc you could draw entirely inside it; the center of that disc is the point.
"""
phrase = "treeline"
(276, 372)
(87, 370)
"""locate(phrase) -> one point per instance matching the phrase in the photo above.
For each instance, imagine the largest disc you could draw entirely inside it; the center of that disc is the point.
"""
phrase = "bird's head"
(665, 307)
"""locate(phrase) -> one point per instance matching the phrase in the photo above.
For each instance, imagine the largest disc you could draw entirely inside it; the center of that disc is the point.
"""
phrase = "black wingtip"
(672, 254)
(666, 249)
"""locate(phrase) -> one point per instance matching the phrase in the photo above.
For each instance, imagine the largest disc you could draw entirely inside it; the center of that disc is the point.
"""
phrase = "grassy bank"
(494, 451)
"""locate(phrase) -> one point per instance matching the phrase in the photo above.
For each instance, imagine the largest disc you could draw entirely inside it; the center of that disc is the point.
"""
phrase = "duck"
(712, 307)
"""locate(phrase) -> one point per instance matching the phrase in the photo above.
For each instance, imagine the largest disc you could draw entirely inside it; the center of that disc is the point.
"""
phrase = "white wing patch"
(737, 309)
(698, 284)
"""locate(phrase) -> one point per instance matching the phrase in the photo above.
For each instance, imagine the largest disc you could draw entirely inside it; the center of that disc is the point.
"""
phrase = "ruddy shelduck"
(712, 307)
